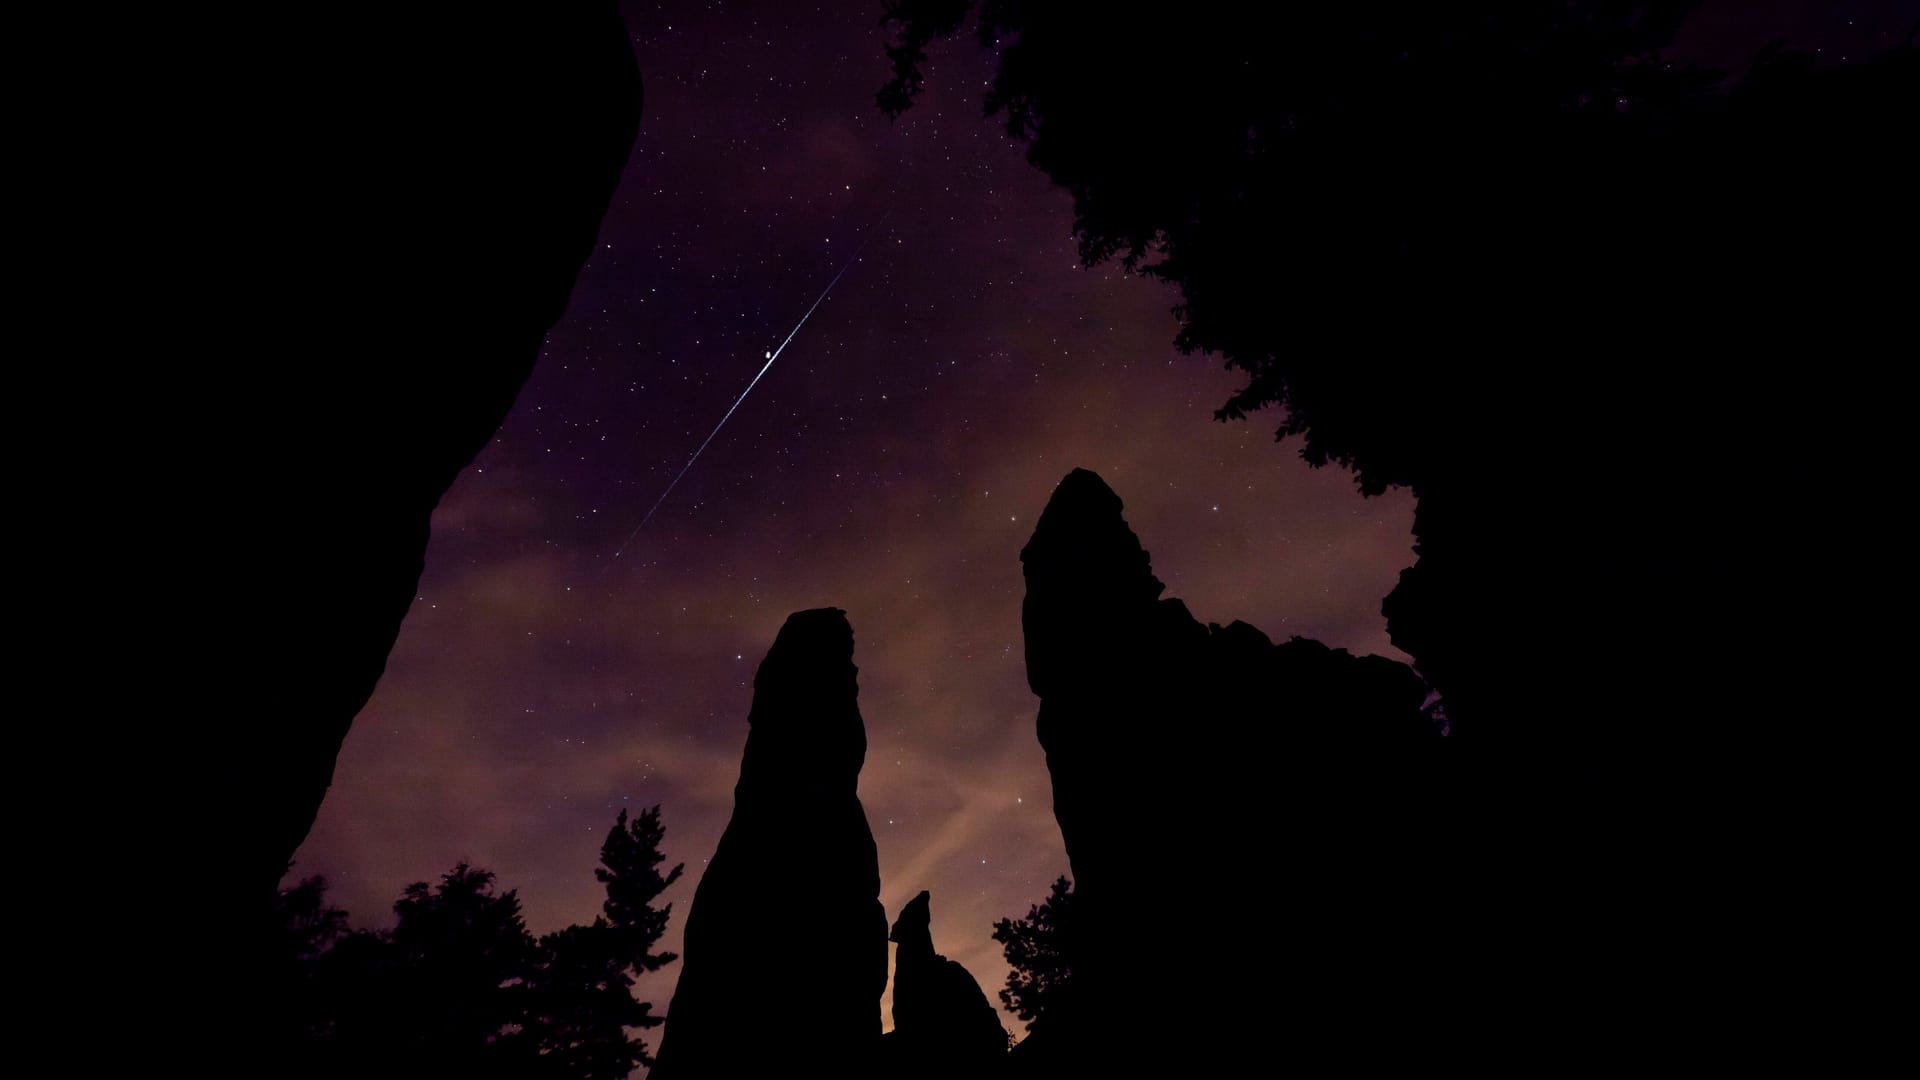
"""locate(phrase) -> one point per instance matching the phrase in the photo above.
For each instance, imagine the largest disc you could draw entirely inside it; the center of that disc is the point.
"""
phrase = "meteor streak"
(771, 357)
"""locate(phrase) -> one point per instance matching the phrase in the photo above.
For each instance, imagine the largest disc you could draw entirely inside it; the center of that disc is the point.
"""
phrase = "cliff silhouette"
(368, 226)
(1316, 766)
(480, 224)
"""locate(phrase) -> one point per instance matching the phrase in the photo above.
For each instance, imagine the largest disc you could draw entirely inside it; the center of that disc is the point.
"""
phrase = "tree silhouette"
(582, 1005)
(579, 1006)
(1039, 951)
(1262, 175)
(440, 992)
(311, 927)
(460, 987)
(306, 928)
(630, 869)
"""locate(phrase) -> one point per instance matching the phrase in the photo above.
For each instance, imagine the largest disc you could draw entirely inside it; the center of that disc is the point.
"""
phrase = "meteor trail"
(771, 357)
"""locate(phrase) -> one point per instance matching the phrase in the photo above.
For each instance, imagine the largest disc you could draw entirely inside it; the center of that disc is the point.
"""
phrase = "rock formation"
(351, 233)
(1303, 765)
(1650, 516)
(943, 1024)
(786, 943)
(399, 215)
(452, 183)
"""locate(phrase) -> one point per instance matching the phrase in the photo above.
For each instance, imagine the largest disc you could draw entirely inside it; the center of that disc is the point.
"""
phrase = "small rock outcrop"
(943, 1024)
(785, 957)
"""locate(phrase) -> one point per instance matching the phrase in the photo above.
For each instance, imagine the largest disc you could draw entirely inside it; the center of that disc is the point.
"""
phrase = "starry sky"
(891, 463)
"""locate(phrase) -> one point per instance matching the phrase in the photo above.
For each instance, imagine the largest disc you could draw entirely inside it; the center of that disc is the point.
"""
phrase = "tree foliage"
(1039, 950)
(630, 869)
(459, 985)
(309, 926)
(582, 1004)
(1335, 191)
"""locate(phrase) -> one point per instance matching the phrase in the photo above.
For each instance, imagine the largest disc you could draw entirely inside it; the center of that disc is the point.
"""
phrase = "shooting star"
(771, 357)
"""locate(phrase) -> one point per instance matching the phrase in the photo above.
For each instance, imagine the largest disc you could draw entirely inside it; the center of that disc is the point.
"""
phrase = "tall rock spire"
(786, 942)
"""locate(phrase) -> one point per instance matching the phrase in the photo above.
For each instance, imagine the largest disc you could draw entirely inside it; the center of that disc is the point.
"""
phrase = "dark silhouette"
(1319, 759)
(460, 987)
(1621, 326)
(581, 1005)
(440, 992)
(1616, 322)
(364, 229)
(307, 927)
(943, 1024)
(1039, 949)
(354, 233)
(786, 943)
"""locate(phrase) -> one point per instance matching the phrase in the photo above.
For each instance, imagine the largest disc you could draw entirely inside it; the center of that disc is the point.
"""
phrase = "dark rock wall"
(339, 238)
(370, 225)
(1249, 824)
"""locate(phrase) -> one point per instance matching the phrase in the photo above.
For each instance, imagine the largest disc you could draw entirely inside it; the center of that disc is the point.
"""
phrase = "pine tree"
(582, 1003)
(630, 869)
(459, 987)
(1039, 949)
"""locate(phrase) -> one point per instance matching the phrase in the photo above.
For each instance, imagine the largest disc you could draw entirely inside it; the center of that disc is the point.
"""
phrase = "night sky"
(892, 463)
